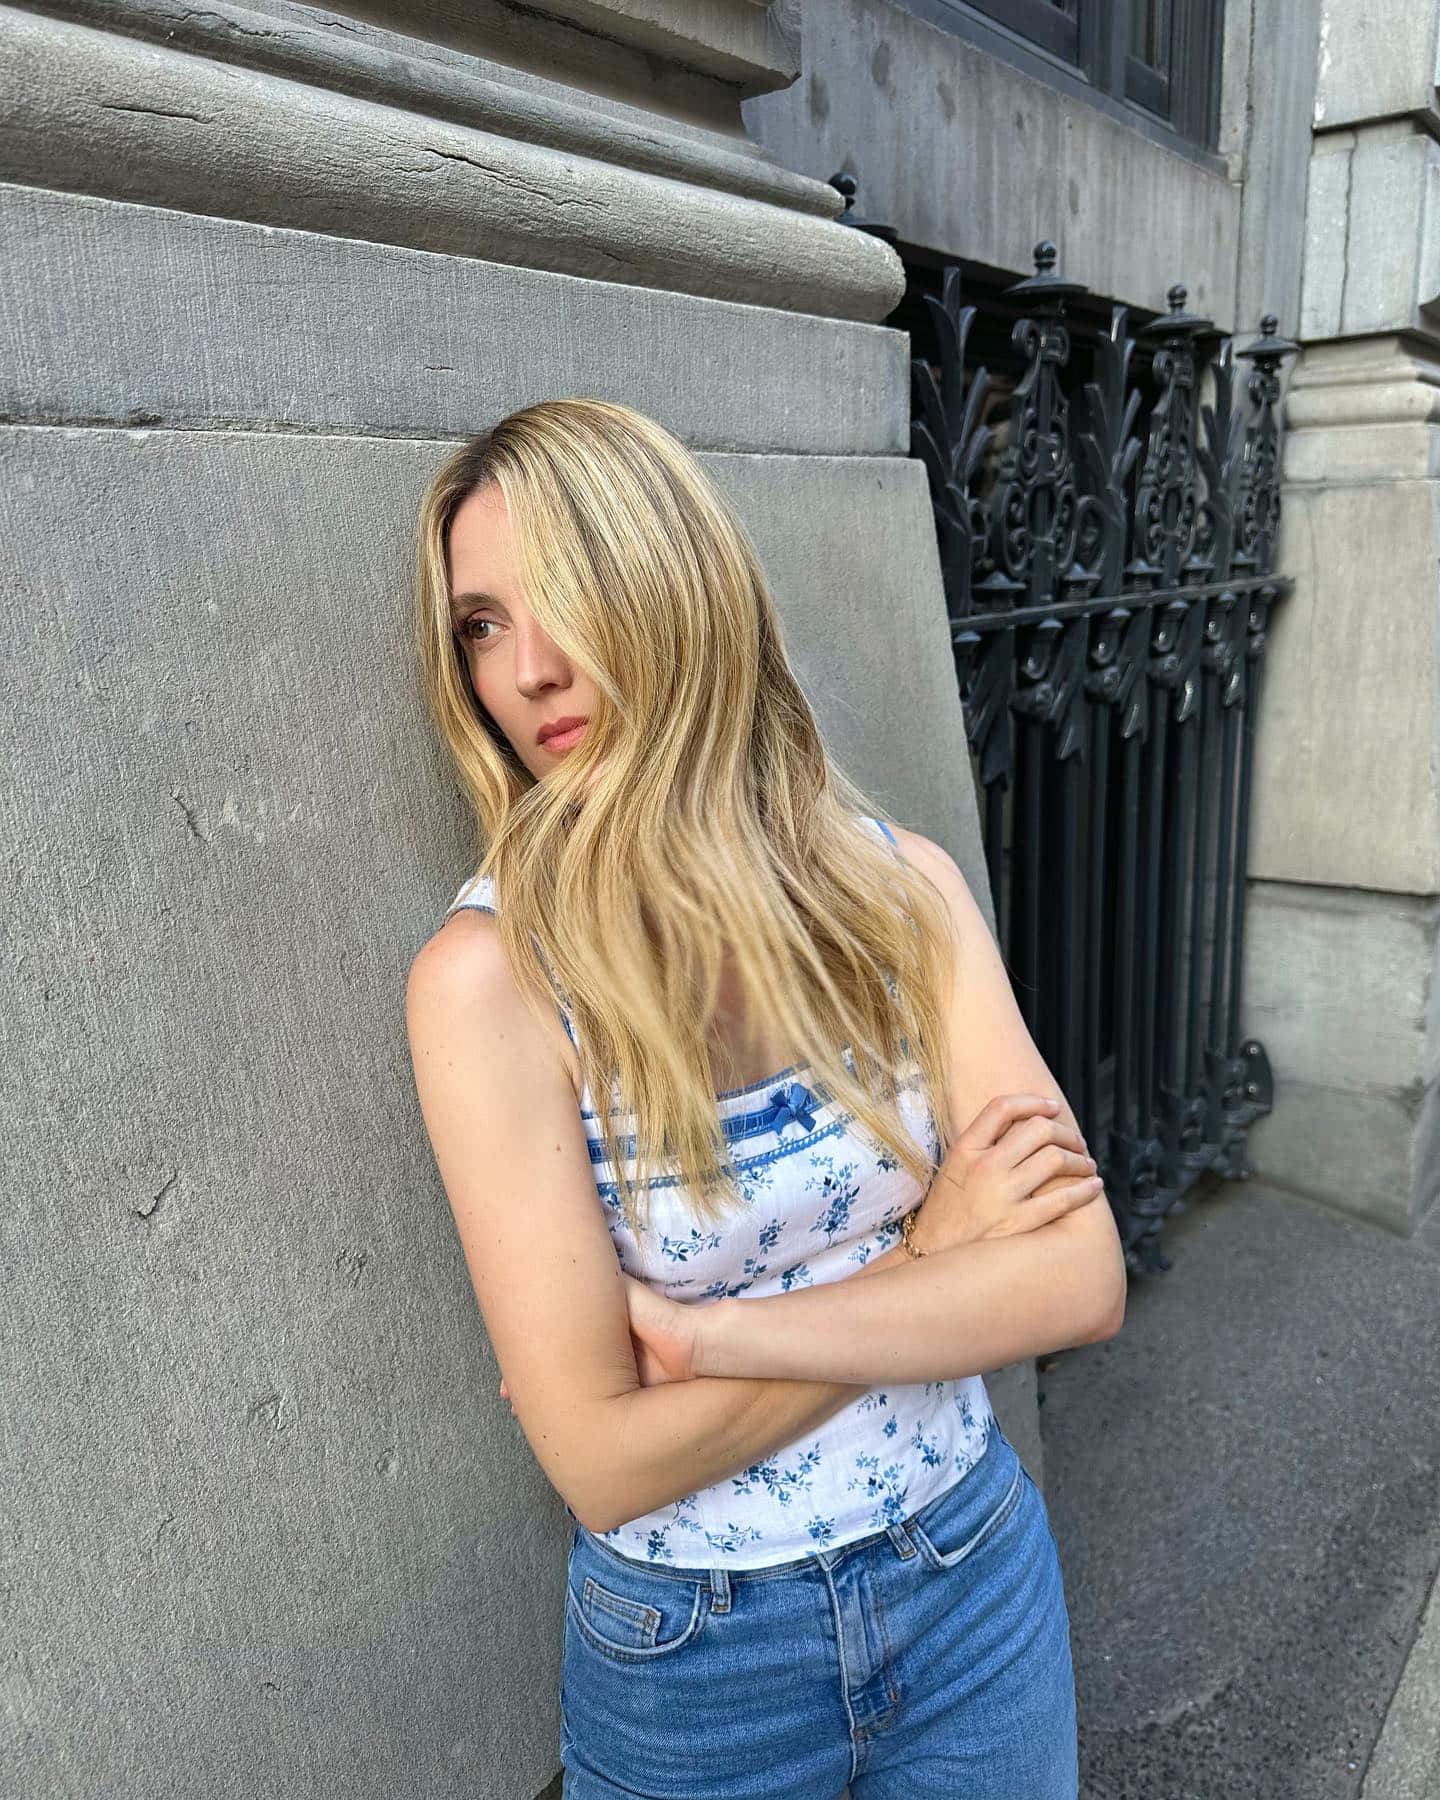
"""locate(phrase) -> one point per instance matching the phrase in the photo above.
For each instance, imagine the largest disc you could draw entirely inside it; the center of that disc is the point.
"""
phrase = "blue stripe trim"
(742, 1163)
(742, 1125)
(802, 1141)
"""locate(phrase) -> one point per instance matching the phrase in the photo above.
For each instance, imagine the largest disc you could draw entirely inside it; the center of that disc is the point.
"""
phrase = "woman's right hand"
(986, 1184)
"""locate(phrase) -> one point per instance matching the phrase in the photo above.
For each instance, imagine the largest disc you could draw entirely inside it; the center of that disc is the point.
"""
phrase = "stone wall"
(274, 1531)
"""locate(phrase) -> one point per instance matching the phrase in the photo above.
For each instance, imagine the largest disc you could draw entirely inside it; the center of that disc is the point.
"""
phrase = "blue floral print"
(780, 1483)
(839, 1188)
(886, 1486)
(821, 1199)
(678, 1249)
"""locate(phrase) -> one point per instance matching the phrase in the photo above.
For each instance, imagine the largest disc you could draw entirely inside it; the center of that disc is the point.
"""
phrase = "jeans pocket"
(951, 1533)
(632, 1616)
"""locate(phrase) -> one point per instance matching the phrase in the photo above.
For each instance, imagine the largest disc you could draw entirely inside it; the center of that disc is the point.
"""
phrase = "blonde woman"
(754, 1164)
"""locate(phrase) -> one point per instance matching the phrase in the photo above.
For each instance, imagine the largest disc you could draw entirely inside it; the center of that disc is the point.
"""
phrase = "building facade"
(267, 262)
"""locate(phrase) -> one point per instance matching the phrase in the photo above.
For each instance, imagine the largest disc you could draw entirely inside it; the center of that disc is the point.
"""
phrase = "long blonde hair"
(701, 810)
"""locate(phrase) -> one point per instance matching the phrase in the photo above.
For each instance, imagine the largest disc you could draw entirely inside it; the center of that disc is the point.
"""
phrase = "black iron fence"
(1108, 594)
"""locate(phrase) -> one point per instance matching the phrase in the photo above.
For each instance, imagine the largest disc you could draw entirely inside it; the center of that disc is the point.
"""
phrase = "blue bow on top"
(792, 1103)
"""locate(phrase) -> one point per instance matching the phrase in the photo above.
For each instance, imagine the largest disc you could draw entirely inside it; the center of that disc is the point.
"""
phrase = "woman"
(804, 1552)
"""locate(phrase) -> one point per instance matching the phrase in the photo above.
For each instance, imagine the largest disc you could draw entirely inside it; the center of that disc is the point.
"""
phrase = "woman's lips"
(563, 740)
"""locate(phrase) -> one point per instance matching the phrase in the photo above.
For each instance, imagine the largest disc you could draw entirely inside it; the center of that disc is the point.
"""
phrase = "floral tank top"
(823, 1201)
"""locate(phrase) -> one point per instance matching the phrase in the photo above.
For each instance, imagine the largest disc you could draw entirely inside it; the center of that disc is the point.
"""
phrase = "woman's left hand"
(662, 1332)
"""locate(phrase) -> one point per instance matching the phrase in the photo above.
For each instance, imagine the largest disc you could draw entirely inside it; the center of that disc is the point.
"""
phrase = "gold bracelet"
(906, 1233)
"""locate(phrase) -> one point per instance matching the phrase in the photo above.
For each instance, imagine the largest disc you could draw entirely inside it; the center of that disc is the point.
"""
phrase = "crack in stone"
(236, 27)
(157, 112)
(148, 1212)
(510, 181)
(195, 830)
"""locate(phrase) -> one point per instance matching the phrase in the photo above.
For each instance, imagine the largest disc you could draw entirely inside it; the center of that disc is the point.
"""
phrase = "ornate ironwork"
(1108, 594)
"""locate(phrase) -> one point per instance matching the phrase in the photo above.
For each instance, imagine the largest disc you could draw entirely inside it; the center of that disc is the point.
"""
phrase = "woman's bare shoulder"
(932, 858)
(912, 840)
(462, 958)
(461, 980)
(968, 920)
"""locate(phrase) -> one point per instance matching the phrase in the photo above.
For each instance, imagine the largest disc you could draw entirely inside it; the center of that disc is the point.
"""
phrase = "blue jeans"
(928, 1661)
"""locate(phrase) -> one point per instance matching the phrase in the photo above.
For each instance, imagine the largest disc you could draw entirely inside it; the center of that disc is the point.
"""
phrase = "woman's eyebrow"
(458, 602)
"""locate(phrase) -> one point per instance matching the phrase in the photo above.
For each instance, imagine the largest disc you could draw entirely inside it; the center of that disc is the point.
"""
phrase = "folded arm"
(966, 1307)
(952, 1313)
(512, 1154)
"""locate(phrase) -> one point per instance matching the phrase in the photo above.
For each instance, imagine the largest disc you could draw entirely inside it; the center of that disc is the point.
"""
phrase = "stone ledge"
(317, 47)
(137, 315)
(93, 112)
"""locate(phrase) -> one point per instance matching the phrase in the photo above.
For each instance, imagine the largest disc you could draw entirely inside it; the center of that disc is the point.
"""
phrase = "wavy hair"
(701, 810)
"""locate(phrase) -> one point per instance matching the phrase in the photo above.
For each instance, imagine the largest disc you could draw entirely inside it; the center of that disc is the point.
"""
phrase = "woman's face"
(522, 678)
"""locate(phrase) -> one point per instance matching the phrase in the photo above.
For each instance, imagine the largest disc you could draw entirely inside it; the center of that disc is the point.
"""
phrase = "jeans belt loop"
(719, 1590)
(900, 1537)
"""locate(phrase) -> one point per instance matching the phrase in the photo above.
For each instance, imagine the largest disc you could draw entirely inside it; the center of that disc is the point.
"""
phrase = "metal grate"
(1108, 594)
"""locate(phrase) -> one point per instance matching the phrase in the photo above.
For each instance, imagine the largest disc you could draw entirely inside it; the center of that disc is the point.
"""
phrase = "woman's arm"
(951, 1313)
(511, 1150)
(959, 1310)
(713, 1426)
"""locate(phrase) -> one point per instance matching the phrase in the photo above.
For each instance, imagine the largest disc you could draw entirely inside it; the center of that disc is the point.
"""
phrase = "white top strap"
(479, 892)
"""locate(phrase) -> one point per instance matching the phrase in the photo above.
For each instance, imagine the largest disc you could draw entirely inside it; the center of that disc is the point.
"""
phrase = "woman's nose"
(539, 662)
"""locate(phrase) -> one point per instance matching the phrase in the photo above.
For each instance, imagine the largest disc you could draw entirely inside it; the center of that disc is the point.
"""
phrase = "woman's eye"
(467, 630)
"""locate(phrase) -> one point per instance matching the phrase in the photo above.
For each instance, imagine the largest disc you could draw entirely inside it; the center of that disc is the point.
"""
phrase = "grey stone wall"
(270, 1527)
(971, 157)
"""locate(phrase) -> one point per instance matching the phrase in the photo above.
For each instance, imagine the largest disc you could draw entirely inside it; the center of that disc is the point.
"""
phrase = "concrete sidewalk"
(1406, 1763)
(1245, 1488)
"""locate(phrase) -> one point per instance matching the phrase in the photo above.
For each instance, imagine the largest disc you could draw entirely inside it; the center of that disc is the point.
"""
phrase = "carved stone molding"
(1367, 409)
(95, 111)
